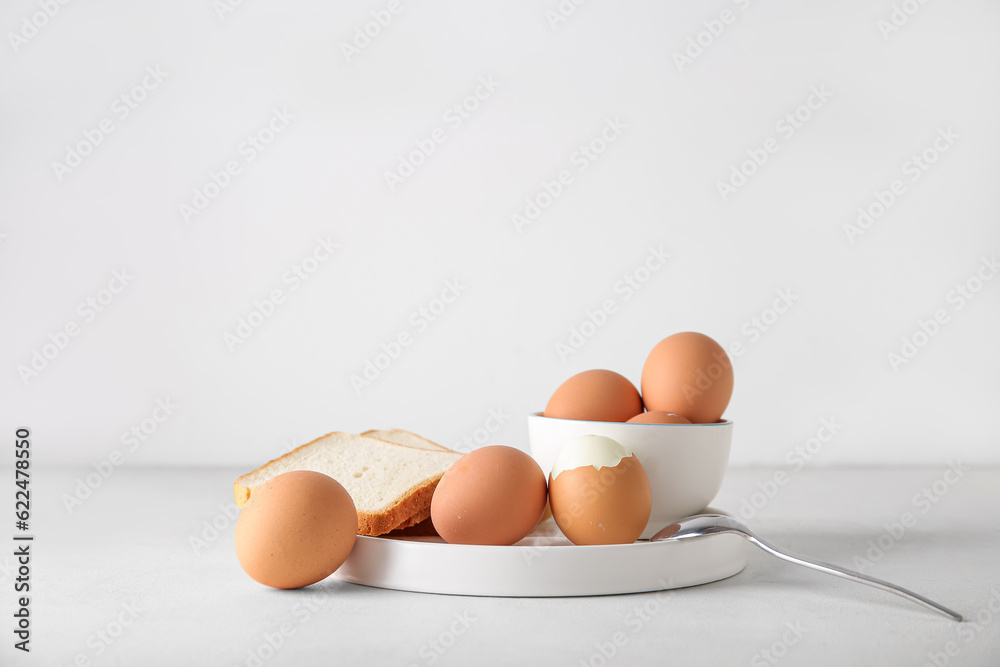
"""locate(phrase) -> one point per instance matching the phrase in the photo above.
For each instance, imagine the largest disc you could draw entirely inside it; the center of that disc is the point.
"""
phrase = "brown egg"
(492, 495)
(658, 417)
(688, 374)
(597, 395)
(599, 492)
(296, 529)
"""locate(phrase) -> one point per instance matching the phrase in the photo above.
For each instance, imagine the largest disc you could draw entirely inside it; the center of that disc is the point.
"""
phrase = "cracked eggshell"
(599, 492)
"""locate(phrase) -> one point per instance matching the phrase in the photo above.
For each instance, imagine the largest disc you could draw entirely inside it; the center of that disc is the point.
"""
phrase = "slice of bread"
(391, 484)
(401, 437)
(423, 529)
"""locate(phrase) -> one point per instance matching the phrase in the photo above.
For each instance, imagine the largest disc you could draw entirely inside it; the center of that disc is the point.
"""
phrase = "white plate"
(544, 564)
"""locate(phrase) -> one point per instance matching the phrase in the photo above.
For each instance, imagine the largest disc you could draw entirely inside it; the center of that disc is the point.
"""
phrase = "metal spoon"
(710, 524)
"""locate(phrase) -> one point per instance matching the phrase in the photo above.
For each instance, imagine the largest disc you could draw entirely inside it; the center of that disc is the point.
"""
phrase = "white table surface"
(124, 564)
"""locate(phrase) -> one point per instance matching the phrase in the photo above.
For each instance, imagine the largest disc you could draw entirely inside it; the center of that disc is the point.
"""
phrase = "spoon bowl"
(700, 525)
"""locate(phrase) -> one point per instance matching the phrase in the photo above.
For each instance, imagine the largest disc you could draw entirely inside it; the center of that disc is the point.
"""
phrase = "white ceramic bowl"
(685, 463)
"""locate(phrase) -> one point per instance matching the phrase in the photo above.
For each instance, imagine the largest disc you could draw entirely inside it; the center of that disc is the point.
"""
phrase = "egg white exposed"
(589, 450)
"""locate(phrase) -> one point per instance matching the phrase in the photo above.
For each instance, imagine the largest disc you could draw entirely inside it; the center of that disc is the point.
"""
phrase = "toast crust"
(423, 529)
(413, 506)
(437, 447)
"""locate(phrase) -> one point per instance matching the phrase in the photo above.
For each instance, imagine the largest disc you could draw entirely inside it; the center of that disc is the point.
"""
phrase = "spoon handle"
(855, 576)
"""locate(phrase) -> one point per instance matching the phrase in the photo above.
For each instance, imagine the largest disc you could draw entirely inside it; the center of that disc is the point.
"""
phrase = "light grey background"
(495, 347)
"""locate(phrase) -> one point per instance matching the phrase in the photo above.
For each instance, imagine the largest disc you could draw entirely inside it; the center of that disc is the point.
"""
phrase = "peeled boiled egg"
(599, 492)
(296, 529)
(688, 374)
(492, 495)
(658, 417)
(596, 395)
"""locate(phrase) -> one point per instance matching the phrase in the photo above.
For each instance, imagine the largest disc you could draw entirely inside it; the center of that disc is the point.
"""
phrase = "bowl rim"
(539, 415)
